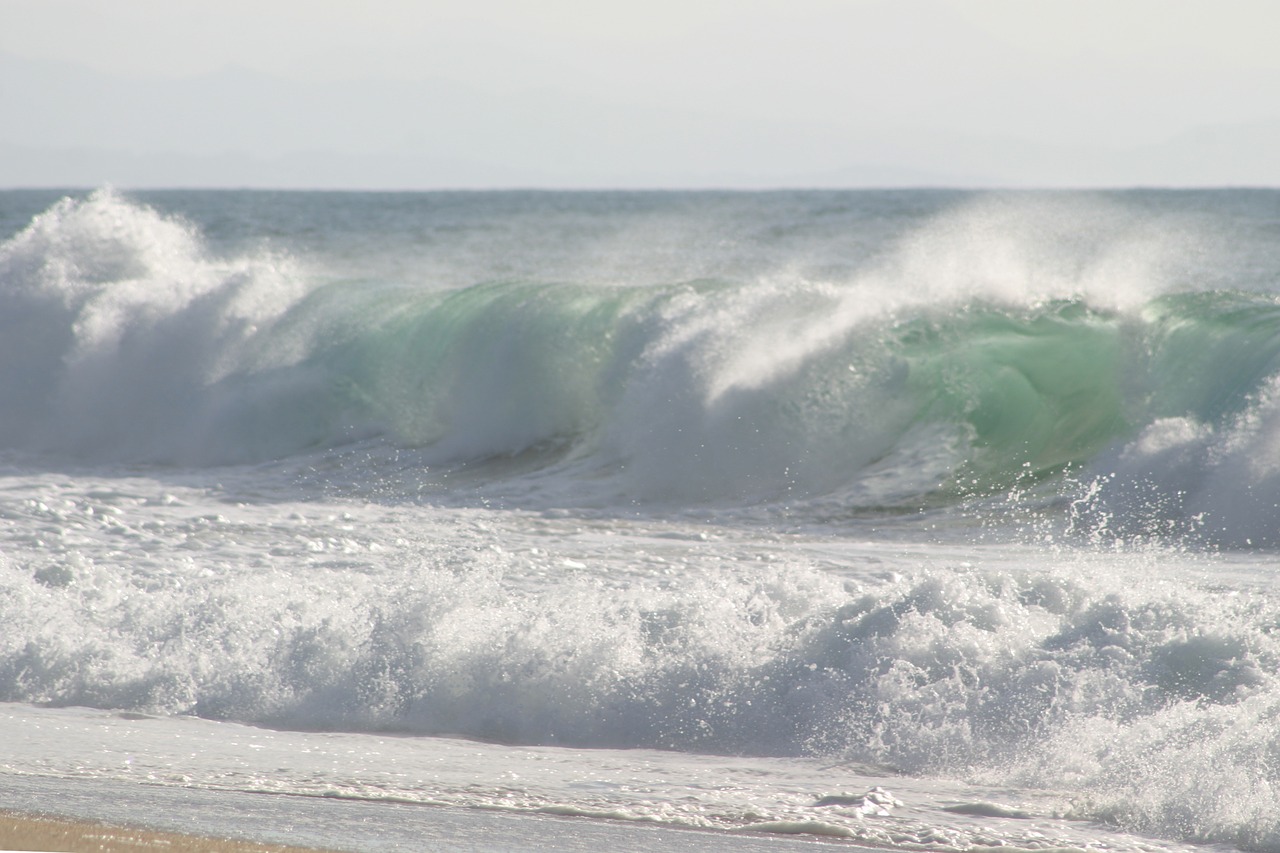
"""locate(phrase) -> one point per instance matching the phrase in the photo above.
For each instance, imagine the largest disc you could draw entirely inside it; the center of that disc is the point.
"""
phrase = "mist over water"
(980, 487)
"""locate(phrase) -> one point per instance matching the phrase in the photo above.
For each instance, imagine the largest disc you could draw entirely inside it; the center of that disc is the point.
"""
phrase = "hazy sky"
(1101, 73)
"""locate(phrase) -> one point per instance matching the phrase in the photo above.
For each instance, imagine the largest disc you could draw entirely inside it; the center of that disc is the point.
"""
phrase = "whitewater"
(935, 520)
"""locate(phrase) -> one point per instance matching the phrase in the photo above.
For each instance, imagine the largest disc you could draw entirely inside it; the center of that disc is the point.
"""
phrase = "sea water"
(937, 520)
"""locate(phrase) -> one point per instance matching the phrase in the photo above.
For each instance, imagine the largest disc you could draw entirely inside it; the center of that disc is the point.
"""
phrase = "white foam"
(116, 322)
(1182, 477)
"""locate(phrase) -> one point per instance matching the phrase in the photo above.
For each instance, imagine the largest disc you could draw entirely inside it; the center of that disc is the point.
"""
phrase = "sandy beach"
(37, 832)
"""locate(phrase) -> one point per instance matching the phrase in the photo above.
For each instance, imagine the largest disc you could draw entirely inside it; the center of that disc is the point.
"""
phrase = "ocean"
(935, 520)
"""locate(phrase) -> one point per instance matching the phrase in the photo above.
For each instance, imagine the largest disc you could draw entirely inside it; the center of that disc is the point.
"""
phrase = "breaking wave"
(124, 338)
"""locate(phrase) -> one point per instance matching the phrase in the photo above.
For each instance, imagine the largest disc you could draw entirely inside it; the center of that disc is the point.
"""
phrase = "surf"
(971, 494)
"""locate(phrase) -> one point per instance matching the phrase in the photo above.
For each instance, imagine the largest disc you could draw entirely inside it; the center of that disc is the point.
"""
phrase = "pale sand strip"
(36, 832)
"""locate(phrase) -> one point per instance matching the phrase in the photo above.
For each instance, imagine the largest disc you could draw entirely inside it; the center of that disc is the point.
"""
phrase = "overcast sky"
(1100, 75)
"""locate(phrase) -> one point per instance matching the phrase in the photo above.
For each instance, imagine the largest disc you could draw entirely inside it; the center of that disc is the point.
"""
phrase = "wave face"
(989, 349)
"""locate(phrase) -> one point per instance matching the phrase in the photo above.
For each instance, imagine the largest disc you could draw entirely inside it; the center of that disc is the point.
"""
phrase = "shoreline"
(42, 813)
(28, 831)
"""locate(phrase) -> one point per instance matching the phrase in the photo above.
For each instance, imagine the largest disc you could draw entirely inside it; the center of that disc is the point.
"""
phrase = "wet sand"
(36, 832)
(110, 815)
